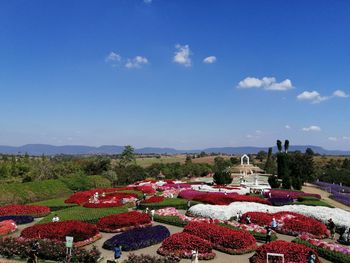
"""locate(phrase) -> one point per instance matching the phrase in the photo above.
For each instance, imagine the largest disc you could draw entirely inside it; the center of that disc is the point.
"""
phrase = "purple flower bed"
(279, 201)
(138, 238)
(280, 193)
(20, 220)
(339, 193)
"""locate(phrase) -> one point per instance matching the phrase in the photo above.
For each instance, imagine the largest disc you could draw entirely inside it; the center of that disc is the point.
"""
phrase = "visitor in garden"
(55, 218)
(248, 220)
(117, 253)
(152, 214)
(147, 211)
(138, 202)
(331, 227)
(188, 204)
(274, 223)
(194, 256)
(311, 257)
(144, 196)
(33, 254)
(268, 234)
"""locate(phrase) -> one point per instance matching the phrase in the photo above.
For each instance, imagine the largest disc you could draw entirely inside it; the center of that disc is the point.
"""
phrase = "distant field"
(321, 160)
(147, 161)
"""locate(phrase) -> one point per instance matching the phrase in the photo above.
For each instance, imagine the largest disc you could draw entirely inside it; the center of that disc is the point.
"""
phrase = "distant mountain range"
(46, 149)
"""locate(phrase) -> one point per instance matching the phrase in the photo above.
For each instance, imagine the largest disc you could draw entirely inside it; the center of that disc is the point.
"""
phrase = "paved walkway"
(313, 189)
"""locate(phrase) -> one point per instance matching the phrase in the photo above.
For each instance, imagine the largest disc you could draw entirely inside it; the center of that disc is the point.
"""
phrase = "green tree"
(111, 176)
(270, 166)
(279, 146)
(127, 157)
(261, 155)
(273, 181)
(222, 177)
(286, 146)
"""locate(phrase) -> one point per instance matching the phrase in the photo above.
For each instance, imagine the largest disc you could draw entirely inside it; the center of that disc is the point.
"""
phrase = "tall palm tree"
(286, 146)
(279, 145)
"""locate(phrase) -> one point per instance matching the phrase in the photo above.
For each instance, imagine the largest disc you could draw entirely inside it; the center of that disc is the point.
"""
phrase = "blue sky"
(184, 73)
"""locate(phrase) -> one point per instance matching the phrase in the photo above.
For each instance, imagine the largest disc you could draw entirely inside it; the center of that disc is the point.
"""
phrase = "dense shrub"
(49, 250)
(29, 210)
(182, 244)
(138, 238)
(280, 201)
(123, 221)
(59, 230)
(223, 239)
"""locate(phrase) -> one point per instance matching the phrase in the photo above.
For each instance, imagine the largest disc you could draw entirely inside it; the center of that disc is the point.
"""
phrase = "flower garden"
(220, 218)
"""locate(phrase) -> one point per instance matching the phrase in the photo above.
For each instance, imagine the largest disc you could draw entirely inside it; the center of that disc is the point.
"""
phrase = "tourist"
(152, 214)
(117, 253)
(33, 254)
(144, 196)
(331, 227)
(239, 213)
(147, 211)
(311, 257)
(55, 218)
(103, 194)
(248, 220)
(188, 204)
(194, 256)
(268, 234)
(274, 223)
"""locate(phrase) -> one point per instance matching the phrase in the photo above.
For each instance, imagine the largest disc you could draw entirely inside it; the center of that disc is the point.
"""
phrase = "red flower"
(154, 199)
(223, 238)
(29, 210)
(292, 252)
(59, 230)
(182, 244)
(116, 223)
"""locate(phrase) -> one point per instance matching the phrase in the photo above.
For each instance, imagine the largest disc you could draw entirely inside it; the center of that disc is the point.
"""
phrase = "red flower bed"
(124, 221)
(28, 210)
(292, 252)
(83, 233)
(110, 200)
(7, 227)
(182, 244)
(286, 193)
(154, 199)
(289, 223)
(223, 238)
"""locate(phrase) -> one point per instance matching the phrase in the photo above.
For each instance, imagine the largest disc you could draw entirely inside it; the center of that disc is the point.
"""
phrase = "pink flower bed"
(7, 227)
(326, 245)
(285, 193)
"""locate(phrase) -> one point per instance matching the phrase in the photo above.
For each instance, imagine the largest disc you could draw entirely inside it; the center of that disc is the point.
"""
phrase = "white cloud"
(182, 55)
(312, 128)
(136, 62)
(287, 126)
(312, 96)
(147, 1)
(209, 60)
(334, 139)
(113, 57)
(340, 94)
(267, 83)
(315, 97)
(346, 137)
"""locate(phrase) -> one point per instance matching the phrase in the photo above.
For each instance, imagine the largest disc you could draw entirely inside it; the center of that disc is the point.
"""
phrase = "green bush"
(89, 215)
(333, 256)
(55, 204)
(178, 203)
(314, 203)
(22, 193)
(170, 220)
(307, 198)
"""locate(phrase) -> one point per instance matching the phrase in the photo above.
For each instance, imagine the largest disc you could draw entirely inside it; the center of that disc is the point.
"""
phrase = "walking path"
(313, 189)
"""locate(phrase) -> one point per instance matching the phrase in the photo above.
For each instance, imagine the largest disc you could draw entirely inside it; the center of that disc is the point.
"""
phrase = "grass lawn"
(178, 203)
(89, 215)
(313, 203)
(55, 204)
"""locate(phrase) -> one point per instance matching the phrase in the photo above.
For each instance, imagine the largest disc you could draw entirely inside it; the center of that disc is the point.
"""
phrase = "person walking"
(331, 227)
(268, 234)
(311, 258)
(248, 220)
(188, 204)
(274, 223)
(117, 253)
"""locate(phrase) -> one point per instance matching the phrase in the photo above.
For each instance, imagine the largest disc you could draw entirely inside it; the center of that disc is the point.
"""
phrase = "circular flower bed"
(182, 244)
(138, 238)
(83, 196)
(223, 238)
(292, 252)
(19, 220)
(28, 210)
(83, 233)
(289, 223)
(123, 222)
(7, 227)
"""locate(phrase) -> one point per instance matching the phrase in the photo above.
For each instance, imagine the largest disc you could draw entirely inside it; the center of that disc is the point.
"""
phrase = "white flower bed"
(207, 188)
(340, 217)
